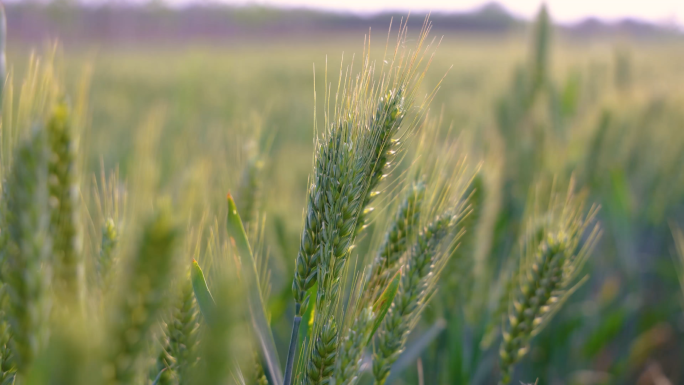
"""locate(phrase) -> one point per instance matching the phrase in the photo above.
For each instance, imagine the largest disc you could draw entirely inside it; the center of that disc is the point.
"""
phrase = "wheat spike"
(26, 271)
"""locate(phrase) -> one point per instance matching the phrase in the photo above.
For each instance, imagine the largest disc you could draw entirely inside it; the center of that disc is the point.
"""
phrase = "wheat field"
(408, 208)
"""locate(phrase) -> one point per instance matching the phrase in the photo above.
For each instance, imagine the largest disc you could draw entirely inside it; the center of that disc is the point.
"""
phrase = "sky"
(662, 11)
(670, 12)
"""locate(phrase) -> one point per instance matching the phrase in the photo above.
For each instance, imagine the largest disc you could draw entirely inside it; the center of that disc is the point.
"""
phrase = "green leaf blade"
(204, 298)
(257, 311)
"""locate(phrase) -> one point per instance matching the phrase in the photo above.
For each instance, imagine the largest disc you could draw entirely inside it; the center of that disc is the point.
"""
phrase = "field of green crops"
(505, 127)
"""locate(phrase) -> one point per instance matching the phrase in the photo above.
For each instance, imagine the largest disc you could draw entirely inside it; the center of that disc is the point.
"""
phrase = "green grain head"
(321, 365)
(7, 368)
(422, 266)
(384, 127)
(67, 258)
(26, 269)
(548, 271)
(396, 241)
(352, 346)
(109, 241)
(141, 298)
(181, 335)
(249, 190)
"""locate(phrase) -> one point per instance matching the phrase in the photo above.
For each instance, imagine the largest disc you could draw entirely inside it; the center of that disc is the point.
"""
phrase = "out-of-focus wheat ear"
(110, 200)
(419, 275)
(71, 356)
(542, 42)
(548, 273)
(397, 240)
(258, 376)
(67, 258)
(26, 270)
(161, 372)
(321, 365)
(145, 281)
(508, 280)
(526, 308)
(459, 273)
(181, 332)
(108, 246)
(7, 368)
(248, 195)
(384, 126)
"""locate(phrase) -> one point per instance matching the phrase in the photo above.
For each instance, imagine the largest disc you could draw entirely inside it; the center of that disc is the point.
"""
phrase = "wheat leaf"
(256, 304)
(204, 298)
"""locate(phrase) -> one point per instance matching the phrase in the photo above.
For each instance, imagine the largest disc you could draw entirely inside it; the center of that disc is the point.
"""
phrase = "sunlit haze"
(662, 11)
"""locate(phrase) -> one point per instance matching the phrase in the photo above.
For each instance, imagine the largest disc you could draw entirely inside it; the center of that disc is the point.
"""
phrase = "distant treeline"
(117, 22)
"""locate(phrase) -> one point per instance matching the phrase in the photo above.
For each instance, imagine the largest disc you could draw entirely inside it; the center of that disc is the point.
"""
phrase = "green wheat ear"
(548, 271)
(351, 347)
(181, 333)
(383, 127)
(397, 240)
(26, 271)
(421, 270)
(249, 190)
(68, 265)
(108, 246)
(258, 376)
(7, 368)
(321, 365)
(142, 295)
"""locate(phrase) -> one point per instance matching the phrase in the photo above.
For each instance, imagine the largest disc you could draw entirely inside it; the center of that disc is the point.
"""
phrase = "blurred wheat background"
(171, 109)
